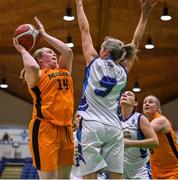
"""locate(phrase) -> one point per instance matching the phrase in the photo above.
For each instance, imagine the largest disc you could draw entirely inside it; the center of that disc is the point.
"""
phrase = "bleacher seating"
(27, 170)
(1, 166)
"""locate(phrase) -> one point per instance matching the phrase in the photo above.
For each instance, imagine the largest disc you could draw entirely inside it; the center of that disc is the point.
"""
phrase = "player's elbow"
(84, 29)
(69, 53)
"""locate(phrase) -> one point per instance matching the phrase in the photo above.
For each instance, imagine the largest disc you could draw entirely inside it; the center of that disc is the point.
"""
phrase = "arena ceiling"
(156, 70)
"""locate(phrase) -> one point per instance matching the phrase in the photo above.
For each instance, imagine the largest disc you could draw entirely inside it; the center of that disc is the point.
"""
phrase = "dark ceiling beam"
(157, 51)
(144, 53)
(78, 49)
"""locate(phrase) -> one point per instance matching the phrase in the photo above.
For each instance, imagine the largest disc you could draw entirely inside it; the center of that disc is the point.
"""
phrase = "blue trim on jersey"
(83, 104)
(143, 152)
(124, 69)
(140, 136)
(87, 73)
(148, 167)
(79, 147)
(128, 117)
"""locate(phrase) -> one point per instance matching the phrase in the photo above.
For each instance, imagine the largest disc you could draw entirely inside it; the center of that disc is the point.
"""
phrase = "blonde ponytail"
(129, 51)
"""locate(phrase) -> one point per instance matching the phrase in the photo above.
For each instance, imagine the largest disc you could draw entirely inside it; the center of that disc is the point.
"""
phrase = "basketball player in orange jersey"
(164, 158)
(50, 84)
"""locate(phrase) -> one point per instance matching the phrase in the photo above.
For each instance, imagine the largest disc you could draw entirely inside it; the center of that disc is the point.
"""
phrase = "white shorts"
(143, 172)
(102, 148)
(76, 175)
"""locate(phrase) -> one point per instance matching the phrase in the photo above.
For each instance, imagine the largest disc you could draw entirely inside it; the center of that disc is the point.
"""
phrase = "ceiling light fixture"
(136, 87)
(4, 84)
(149, 44)
(165, 16)
(69, 42)
(68, 16)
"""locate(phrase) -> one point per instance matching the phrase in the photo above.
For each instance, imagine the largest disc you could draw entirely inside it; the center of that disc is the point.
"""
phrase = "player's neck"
(126, 112)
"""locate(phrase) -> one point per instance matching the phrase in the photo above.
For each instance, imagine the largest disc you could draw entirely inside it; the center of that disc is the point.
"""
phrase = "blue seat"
(1, 166)
(29, 172)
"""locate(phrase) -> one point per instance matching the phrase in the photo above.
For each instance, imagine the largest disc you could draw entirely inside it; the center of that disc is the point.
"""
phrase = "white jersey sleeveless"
(134, 157)
(103, 85)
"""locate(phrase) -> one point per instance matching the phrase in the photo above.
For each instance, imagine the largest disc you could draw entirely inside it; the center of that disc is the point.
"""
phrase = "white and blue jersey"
(136, 160)
(104, 83)
(100, 132)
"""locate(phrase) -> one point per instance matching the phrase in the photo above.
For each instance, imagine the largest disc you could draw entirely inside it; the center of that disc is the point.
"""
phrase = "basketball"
(27, 36)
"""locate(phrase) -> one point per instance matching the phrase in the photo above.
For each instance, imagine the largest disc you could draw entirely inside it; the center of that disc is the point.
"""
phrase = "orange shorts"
(51, 146)
(165, 173)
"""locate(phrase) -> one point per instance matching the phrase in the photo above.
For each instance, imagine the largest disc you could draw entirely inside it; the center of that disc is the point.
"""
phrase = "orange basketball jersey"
(53, 97)
(165, 157)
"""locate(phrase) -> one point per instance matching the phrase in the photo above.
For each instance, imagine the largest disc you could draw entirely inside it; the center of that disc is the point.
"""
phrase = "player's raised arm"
(146, 7)
(31, 66)
(66, 57)
(87, 44)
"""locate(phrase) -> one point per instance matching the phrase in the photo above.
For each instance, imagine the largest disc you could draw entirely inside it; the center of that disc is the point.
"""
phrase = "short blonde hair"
(37, 54)
(157, 102)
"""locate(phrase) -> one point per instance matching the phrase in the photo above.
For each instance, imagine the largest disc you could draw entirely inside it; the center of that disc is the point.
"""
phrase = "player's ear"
(106, 53)
(38, 59)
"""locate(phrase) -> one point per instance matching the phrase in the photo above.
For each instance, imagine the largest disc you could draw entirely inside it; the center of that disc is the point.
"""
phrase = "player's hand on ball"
(17, 45)
(40, 26)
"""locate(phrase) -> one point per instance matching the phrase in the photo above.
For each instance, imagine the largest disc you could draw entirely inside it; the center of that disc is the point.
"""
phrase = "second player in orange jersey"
(164, 158)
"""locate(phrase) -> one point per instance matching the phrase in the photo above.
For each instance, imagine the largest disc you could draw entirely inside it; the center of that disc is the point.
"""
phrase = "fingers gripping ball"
(27, 36)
